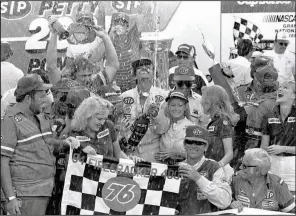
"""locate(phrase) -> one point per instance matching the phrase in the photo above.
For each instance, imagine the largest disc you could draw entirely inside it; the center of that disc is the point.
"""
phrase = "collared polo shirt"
(219, 128)
(280, 131)
(274, 195)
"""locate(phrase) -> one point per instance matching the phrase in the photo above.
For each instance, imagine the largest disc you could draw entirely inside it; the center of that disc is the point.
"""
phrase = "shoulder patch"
(211, 129)
(158, 98)
(128, 100)
(18, 118)
(274, 121)
(291, 119)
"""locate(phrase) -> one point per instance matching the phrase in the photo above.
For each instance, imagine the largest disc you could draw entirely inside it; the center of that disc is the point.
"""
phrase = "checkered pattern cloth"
(84, 186)
(246, 30)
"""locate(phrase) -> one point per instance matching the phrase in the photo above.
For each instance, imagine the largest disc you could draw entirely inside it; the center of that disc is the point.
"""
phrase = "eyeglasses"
(194, 142)
(188, 83)
(182, 57)
(245, 166)
(283, 44)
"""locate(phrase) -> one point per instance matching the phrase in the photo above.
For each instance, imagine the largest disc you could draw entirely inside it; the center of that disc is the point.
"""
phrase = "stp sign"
(13, 10)
(133, 7)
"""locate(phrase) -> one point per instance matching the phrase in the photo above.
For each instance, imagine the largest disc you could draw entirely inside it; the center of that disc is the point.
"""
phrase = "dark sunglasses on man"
(283, 44)
(194, 142)
(188, 83)
(185, 57)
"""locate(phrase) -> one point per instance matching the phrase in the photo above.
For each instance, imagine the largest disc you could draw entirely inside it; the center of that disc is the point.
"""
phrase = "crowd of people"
(227, 161)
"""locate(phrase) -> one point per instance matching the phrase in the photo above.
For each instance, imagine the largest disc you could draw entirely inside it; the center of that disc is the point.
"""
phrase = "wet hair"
(42, 73)
(262, 158)
(73, 65)
(220, 102)
(141, 62)
(244, 47)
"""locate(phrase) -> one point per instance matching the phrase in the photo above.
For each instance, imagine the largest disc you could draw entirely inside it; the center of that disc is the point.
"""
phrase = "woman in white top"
(171, 142)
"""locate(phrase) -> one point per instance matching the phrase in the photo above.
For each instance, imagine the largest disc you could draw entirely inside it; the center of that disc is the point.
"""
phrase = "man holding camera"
(81, 69)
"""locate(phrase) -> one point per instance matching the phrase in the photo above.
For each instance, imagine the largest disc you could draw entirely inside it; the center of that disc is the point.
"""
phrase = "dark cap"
(141, 62)
(266, 74)
(176, 94)
(197, 133)
(29, 83)
(65, 85)
(120, 15)
(184, 72)
(188, 49)
(75, 97)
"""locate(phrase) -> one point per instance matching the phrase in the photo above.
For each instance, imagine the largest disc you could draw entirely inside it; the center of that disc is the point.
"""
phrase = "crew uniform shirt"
(248, 94)
(241, 69)
(280, 132)
(103, 143)
(209, 194)
(274, 195)
(266, 103)
(26, 140)
(219, 128)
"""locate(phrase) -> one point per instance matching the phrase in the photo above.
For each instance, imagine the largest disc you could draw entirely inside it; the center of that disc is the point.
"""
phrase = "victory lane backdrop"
(104, 185)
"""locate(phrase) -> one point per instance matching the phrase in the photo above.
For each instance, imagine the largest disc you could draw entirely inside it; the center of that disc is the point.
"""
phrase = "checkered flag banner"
(104, 185)
(246, 30)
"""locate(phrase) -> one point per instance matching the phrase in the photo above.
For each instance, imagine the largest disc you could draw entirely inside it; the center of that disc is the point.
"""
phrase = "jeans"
(33, 205)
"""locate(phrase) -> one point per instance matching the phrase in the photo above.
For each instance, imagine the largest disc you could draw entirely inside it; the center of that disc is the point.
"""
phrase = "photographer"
(81, 69)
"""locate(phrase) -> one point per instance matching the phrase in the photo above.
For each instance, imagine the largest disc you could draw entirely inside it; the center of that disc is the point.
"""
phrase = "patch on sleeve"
(103, 133)
(18, 118)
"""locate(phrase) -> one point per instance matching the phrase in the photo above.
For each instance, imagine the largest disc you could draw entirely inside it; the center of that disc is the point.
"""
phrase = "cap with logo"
(176, 94)
(188, 49)
(29, 83)
(281, 36)
(197, 133)
(266, 74)
(184, 72)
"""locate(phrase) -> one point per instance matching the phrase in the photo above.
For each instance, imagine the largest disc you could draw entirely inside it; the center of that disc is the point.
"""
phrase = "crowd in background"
(228, 160)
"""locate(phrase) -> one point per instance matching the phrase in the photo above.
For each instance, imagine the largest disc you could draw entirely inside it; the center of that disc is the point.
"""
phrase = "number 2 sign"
(121, 194)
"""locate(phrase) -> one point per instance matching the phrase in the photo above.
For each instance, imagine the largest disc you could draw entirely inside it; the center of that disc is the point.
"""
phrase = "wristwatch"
(11, 198)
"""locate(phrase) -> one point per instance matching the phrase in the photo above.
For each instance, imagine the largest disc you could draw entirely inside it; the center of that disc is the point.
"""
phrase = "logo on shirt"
(211, 129)
(103, 133)
(267, 203)
(273, 121)
(127, 109)
(128, 100)
(18, 118)
(158, 98)
(54, 128)
(242, 192)
(225, 122)
(270, 194)
(291, 119)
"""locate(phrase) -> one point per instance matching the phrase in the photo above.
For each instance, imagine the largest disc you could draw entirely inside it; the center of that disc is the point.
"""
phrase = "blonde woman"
(96, 133)
(171, 142)
(216, 103)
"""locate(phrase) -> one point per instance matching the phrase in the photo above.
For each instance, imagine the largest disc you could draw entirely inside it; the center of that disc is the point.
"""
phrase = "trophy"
(158, 49)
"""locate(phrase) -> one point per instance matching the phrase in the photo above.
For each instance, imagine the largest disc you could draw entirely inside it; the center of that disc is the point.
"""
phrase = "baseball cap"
(120, 15)
(188, 49)
(29, 83)
(281, 36)
(184, 72)
(65, 85)
(197, 133)
(267, 73)
(177, 94)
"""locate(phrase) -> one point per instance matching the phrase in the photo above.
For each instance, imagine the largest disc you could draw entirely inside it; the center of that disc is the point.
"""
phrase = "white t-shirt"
(93, 51)
(284, 64)
(7, 99)
(241, 69)
(10, 75)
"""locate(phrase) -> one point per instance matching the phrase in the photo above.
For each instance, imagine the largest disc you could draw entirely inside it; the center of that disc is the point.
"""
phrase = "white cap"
(281, 36)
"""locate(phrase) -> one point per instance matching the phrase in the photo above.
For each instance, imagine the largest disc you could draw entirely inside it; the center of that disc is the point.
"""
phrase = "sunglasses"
(181, 83)
(245, 166)
(182, 57)
(283, 44)
(193, 142)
